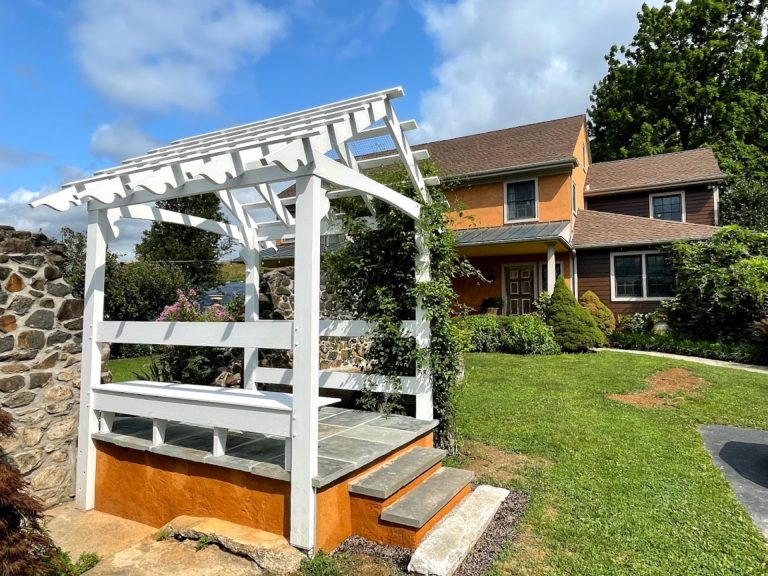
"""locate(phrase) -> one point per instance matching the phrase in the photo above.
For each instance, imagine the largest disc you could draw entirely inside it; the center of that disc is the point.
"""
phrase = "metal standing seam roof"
(514, 233)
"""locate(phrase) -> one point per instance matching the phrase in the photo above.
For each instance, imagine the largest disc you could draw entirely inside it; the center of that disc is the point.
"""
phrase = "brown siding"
(699, 205)
(594, 273)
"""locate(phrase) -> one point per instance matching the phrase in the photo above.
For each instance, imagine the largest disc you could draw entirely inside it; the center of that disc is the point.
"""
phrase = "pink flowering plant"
(190, 364)
(187, 308)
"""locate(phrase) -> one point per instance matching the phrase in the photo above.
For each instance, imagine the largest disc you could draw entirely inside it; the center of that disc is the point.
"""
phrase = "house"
(529, 205)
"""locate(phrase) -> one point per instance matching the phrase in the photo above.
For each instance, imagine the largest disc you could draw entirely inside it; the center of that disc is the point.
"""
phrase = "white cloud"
(153, 55)
(506, 63)
(120, 140)
(11, 158)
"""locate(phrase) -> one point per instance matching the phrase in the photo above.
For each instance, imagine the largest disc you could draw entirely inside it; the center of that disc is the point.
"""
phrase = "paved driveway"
(742, 455)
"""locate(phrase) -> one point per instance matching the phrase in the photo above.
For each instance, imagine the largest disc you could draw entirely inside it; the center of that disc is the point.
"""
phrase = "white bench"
(219, 408)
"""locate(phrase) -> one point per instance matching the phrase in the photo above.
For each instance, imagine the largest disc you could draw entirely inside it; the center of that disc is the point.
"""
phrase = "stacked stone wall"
(276, 293)
(40, 340)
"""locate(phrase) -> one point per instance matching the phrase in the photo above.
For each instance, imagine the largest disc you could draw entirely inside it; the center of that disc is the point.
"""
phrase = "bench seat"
(237, 409)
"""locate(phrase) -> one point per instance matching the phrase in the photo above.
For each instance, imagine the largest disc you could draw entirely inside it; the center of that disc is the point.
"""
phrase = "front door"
(520, 288)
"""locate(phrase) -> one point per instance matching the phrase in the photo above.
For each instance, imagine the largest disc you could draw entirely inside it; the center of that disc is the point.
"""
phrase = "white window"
(669, 206)
(521, 200)
(574, 204)
(584, 156)
(641, 276)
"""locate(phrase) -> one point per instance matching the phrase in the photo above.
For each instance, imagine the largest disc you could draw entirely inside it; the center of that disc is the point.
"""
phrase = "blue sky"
(86, 83)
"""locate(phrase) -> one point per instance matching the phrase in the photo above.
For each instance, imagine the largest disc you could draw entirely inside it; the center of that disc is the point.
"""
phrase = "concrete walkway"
(708, 361)
(742, 455)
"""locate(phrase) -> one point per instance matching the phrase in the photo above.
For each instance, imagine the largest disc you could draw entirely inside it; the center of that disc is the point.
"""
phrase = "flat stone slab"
(76, 531)
(172, 558)
(388, 479)
(269, 551)
(428, 498)
(742, 456)
(448, 543)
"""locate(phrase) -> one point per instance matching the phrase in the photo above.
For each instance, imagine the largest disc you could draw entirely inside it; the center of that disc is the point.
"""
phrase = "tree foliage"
(575, 329)
(722, 285)
(745, 203)
(695, 74)
(196, 252)
(373, 276)
(133, 290)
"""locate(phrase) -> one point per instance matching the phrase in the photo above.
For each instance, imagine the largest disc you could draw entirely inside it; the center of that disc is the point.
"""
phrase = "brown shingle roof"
(532, 144)
(594, 229)
(656, 171)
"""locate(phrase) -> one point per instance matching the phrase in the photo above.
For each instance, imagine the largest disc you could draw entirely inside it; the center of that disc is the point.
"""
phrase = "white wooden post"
(311, 206)
(251, 355)
(551, 267)
(424, 408)
(95, 263)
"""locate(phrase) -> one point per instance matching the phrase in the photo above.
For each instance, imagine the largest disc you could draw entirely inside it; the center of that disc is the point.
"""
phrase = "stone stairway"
(414, 502)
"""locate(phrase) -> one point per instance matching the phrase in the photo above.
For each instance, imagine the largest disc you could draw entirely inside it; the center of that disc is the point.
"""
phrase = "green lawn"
(123, 368)
(614, 489)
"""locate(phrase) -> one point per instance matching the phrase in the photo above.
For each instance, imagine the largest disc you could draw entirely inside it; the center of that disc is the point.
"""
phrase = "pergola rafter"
(311, 148)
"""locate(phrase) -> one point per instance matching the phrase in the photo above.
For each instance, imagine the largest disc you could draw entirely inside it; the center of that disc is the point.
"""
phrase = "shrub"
(483, 332)
(25, 547)
(575, 330)
(526, 334)
(603, 315)
(722, 284)
(731, 352)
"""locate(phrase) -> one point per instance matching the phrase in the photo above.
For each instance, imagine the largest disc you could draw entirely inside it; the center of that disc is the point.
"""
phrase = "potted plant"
(492, 305)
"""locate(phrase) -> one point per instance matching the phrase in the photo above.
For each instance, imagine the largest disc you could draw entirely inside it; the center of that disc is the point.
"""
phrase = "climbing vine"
(373, 275)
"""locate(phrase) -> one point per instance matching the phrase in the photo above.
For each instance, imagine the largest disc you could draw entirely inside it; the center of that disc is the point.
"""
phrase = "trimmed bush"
(746, 353)
(481, 333)
(603, 315)
(575, 329)
(527, 334)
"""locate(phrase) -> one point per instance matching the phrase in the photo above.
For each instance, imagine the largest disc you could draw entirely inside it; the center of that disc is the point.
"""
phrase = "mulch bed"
(499, 532)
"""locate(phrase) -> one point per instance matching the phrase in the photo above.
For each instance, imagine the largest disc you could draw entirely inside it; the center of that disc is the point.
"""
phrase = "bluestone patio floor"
(349, 440)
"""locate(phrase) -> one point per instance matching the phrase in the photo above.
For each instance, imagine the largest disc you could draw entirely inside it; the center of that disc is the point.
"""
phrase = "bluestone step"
(448, 543)
(427, 499)
(388, 479)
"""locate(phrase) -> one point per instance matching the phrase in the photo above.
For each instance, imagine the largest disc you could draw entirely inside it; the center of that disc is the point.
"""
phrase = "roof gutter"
(605, 192)
(638, 243)
(520, 241)
(563, 162)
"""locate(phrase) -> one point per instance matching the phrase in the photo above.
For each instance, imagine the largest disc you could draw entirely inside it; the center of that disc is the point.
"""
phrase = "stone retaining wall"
(276, 303)
(40, 335)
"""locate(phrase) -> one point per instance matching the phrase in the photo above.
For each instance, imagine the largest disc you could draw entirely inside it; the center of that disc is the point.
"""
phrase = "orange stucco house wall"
(480, 204)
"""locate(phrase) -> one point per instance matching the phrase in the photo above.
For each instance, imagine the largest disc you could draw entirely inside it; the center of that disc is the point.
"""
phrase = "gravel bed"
(398, 557)
(500, 531)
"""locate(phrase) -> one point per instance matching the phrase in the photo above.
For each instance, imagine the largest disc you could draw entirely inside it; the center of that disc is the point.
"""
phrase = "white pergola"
(310, 148)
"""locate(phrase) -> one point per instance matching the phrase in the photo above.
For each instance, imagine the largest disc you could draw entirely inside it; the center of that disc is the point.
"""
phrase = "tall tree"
(695, 74)
(196, 252)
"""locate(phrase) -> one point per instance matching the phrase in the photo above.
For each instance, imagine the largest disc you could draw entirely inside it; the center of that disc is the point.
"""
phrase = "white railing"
(260, 333)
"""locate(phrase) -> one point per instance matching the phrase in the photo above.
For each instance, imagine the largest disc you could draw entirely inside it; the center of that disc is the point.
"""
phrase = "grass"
(232, 272)
(124, 368)
(625, 490)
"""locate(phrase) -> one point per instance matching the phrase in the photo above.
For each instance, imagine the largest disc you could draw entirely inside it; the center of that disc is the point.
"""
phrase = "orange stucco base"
(154, 489)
